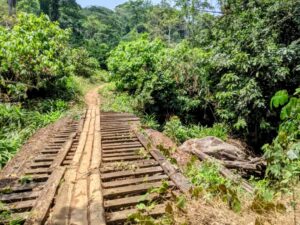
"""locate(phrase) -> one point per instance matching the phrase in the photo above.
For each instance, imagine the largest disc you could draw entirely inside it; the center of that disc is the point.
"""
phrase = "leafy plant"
(207, 180)
(283, 155)
(180, 133)
(25, 179)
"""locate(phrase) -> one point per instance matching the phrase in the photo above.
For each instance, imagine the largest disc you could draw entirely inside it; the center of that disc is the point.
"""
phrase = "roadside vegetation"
(38, 78)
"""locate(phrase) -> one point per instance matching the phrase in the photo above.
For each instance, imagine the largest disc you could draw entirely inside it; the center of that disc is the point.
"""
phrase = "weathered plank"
(122, 216)
(132, 189)
(41, 209)
(145, 179)
(128, 173)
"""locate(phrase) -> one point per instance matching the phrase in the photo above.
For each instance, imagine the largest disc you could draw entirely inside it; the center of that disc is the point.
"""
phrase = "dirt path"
(80, 196)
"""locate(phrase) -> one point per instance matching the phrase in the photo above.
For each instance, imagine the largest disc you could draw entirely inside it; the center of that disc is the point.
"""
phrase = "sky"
(110, 3)
(106, 3)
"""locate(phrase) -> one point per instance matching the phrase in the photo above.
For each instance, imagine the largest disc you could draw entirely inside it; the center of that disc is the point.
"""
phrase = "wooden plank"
(41, 209)
(129, 201)
(22, 196)
(114, 133)
(121, 216)
(80, 201)
(22, 206)
(120, 140)
(121, 150)
(145, 179)
(120, 154)
(15, 188)
(113, 167)
(128, 173)
(124, 158)
(39, 171)
(134, 143)
(96, 209)
(121, 146)
(63, 152)
(113, 137)
(41, 165)
(132, 189)
(176, 176)
(61, 209)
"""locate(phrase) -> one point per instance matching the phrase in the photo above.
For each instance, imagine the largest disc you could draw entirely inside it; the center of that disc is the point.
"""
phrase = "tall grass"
(18, 123)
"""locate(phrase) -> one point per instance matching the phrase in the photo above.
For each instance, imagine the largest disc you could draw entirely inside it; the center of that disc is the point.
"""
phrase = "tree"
(54, 10)
(29, 6)
(12, 5)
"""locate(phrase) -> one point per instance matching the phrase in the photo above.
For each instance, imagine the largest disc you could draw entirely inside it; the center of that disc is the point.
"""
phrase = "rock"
(214, 147)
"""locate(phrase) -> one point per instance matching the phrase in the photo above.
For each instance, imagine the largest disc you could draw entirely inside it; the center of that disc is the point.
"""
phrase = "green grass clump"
(180, 133)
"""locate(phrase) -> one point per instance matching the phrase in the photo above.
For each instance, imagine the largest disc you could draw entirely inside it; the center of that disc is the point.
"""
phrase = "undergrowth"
(19, 122)
(180, 133)
(116, 102)
(209, 183)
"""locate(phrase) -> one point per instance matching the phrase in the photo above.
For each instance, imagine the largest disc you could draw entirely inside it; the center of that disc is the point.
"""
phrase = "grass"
(19, 122)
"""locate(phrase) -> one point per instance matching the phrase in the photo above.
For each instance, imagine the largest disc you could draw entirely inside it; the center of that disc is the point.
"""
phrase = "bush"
(164, 80)
(207, 180)
(133, 64)
(34, 55)
(180, 133)
(116, 102)
(283, 155)
(85, 65)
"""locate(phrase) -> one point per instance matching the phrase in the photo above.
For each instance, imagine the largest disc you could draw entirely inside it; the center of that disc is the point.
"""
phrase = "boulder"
(214, 147)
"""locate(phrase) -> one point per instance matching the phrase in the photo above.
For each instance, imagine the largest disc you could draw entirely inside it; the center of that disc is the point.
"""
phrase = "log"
(175, 175)
(240, 165)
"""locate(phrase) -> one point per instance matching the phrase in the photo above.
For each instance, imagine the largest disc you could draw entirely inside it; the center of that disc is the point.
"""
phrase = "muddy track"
(92, 172)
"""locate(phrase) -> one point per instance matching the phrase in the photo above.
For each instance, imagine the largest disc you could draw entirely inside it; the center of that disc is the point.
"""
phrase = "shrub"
(84, 65)
(133, 64)
(283, 155)
(116, 102)
(34, 55)
(180, 133)
(207, 180)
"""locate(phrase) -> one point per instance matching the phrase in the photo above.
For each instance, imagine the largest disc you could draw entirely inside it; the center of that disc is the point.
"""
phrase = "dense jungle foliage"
(233, 67)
